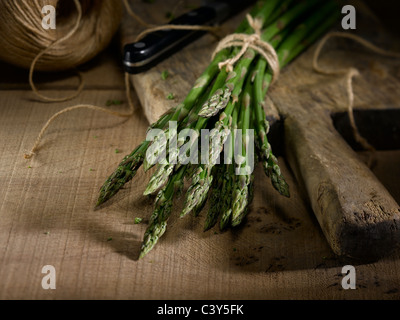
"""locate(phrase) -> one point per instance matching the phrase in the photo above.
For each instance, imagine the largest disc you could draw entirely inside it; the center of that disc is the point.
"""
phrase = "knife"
(155, 47)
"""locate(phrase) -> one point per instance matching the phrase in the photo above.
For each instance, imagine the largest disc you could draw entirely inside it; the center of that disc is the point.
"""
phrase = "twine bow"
(249, 41)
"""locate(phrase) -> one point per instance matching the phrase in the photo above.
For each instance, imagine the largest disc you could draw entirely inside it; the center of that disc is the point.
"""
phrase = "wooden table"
(47, 215)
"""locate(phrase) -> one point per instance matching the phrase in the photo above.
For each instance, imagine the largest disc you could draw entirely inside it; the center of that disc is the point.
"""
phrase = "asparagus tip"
(101, 200)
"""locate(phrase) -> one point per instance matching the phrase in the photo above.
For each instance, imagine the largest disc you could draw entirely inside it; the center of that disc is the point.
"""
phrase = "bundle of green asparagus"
(224, 102)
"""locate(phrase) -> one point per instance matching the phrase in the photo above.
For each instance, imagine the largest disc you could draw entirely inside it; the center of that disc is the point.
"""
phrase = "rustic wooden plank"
(47, 217)
(357, 214)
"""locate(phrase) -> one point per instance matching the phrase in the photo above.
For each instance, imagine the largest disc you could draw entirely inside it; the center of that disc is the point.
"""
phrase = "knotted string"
(249, 41)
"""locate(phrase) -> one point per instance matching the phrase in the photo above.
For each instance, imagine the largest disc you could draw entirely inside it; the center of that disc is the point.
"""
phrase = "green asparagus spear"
(232, 87)
(159, 218)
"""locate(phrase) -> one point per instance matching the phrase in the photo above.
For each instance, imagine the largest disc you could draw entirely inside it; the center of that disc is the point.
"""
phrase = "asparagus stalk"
(159, 218)
(194, 198)
(261, 83)
(220, 203)
(229, 182)
(182, 110)
(202, 179)
(229, 177)
(125, 172)
(316, 32)
(232, 87)
(198, 189)
(272, 169)
(215, 198)
(161, 175)
(241, 192)
(221, 133)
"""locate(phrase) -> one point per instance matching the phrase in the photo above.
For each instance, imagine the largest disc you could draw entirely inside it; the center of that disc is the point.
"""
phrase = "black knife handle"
(153, 48)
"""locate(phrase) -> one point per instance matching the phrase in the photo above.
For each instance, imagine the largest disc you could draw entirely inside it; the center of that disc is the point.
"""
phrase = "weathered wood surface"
(357, 214)
(47, 214)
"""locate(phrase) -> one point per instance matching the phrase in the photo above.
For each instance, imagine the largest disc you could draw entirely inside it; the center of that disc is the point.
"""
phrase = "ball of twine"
(22, 36)
(83, 29)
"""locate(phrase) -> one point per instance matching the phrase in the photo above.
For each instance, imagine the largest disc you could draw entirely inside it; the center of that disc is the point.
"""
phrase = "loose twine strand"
(35, 147)
(83, 106)
(41, 53)
(135, 16)
(151, 28)
(249, 41)
(349, 74)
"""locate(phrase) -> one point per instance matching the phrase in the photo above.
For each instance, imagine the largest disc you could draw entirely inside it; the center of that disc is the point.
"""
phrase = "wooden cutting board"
(48, 218)
(358, 216)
